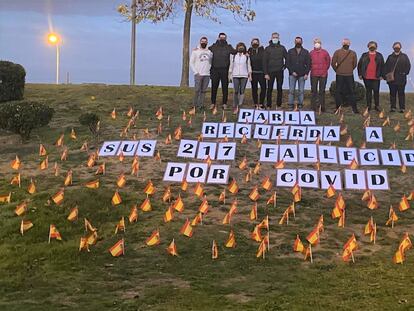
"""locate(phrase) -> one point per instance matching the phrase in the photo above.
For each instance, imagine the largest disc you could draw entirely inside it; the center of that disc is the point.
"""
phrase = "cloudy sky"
(96, 39)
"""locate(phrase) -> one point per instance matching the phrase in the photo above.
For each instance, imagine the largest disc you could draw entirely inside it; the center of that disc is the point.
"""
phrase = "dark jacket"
(274, 58)
(256, 59)
(401, 70)
(298, 62)
(221, 54)
(364, 61)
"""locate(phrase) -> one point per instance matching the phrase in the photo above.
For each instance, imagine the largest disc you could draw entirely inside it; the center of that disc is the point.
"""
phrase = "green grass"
(35, 275)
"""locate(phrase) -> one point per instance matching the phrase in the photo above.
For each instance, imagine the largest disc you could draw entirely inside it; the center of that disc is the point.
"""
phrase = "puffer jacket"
(320, 62)
(274, 58)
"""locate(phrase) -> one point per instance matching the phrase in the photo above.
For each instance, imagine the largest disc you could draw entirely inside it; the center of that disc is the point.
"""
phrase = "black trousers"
(400, 90)
(318, 86)
(372, 87)
(278, 76)
(345, 91)
(258, 79)
(219, 75)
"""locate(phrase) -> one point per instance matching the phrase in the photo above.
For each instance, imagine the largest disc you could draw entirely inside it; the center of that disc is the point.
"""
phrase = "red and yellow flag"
(298, 245)
(133, 214)
(16, 180)
(214, 250)
(146, 205)
(330, 192)
(266, 183)
(118, 248)
(42, 150)
(404, 204)
(187, 229)
(172, 249)
(179, 204)
(21, 208)
(198, 190)
(5, 198)
(116, 198)
(231, 240)
(121, 181)
(392, 217)
(54, 233)
(154, 239)
(149, 188)
(254, 194)
(120, 226)
(32, 187)
(93, 184)
(58, 197)
(73, 214)
(16, 163)
(233, 187)
(169, 214)
(25, 225)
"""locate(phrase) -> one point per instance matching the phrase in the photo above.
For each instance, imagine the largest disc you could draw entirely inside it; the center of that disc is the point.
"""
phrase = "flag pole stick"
(310, 253)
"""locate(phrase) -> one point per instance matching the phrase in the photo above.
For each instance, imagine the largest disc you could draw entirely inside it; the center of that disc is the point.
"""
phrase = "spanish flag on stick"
(54, 233)
(172, 249)
(154, 239)
(25, 225)
(118, 248)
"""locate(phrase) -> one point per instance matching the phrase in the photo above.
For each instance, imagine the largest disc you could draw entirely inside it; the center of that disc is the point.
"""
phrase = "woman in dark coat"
(399, 63)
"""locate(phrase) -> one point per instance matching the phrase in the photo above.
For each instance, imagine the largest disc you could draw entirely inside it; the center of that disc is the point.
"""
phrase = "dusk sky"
(96, 39)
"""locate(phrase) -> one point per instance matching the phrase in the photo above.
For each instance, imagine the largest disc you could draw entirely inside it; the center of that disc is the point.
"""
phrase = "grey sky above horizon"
(96, 39)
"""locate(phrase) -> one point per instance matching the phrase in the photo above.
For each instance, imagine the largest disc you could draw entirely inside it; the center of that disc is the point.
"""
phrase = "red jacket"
(320, 63)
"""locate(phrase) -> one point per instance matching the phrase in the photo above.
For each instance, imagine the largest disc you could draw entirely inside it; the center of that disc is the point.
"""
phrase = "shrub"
(21, 117)
(359, 91)
(12, 79)
(91, 121)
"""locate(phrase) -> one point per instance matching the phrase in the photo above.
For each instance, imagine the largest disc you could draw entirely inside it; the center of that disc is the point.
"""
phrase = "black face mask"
(241, 50)
(397, 50)
(372, 48)
(345, 47)
(222, 41)
(298, 45)
(255, 45)
(203, 45)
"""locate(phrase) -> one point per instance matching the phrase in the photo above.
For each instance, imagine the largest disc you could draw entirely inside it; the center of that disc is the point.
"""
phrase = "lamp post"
(53, 39)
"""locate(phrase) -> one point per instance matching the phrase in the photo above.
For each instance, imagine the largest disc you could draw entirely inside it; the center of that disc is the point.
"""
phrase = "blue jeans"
(292, 88)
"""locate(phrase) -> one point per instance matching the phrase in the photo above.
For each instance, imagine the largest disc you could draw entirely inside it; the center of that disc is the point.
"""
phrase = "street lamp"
(54, 39)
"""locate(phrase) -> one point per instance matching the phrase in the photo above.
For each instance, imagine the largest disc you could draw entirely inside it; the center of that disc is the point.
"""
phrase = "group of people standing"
(262, 66)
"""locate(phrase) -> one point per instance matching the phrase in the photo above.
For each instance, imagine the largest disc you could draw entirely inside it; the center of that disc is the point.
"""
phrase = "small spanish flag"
(73, 214)
(113, 114)
(133, 215)
(146, 205)
(169, 214)
(203, 208)
(21, 208)
(404, 204)
(15, 164)
(32, 187)
(149, 188)
(54, 233)
(58, 197)
(44, 164)
(198, 190)
(101, 169)
(93, 184)
(42, 150)
(59, 142)
(167, 194)
(121, 181)
(330, 192)
(298, 245)
(25, 225)
(231, 240)
(120, 226)
(83, 244)
(266, 183)
(172, 249)
(313, 237)
(184, 185)
(179, 204)
(118, 248)
(214, 250)
(354, 164)
(68, 178)
(154, 239)
(243, 164)
(253, 212)
(16, 180)
(256, 234)
(233, 187)
(187, 229)
(116, 198)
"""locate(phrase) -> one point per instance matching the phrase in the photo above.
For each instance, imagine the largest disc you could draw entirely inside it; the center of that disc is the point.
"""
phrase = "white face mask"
(317, 45)
(275, 40)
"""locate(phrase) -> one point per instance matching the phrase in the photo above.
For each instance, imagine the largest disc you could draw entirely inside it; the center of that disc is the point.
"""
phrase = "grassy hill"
(35, 275)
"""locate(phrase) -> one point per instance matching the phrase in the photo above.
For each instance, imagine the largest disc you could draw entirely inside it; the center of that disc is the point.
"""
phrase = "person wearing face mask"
(240, 70)
(320, 63)
(274, 63)
(371, 70)
(298, 62)
(219, 68)
(344, 61)
(397, 67)
(256, 52)
(200, 63)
